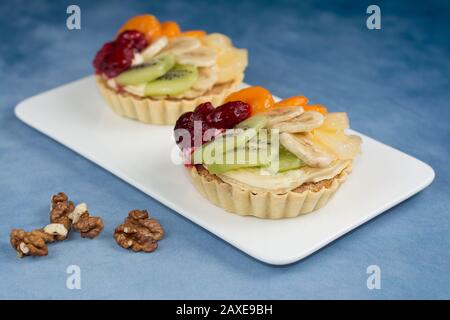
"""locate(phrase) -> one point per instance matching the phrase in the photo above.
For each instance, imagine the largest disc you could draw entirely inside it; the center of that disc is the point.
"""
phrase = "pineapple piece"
(231, 62)
(217, 41)
(342, 145)
(335, 121)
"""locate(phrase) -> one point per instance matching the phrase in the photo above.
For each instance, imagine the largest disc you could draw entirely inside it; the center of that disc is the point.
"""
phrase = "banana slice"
(306, 150)
(282, 114)
(112, 83)
(181, 45)
(154, 48)
(200, 57)
(305, 122)
(217, 41)
(138, 59)
(138, 89)
(207, 77)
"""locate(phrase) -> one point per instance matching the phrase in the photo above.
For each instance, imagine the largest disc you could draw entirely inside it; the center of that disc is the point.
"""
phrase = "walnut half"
(88, 226)
(34, 243)
(63, 211)
(61, 208)
(139, 232)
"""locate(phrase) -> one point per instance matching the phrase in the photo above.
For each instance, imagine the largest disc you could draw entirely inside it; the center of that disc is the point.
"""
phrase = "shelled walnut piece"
(88, 226)
(78, 217)
(63, 215)
(61, 208)
(139, 232)
(34, 243)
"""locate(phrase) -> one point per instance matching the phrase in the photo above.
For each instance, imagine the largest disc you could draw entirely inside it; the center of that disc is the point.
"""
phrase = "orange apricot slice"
(259, 98)
(316, 107)
(170, 29)
(147, 24)
(296, 101)
(194, 33)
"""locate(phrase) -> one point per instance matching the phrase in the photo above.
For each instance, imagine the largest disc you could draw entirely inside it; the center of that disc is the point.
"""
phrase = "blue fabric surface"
(394, 83)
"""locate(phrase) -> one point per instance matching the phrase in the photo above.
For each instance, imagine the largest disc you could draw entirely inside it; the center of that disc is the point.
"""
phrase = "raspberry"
(101, 54)
(228, 115)
(133, 40)
(201, 120)
(204, 108)
(116, 56)
(190, 122)
(186, 121)
(114, 61)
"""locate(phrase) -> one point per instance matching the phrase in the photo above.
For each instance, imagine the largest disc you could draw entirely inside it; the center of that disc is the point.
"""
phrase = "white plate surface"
(141, 155)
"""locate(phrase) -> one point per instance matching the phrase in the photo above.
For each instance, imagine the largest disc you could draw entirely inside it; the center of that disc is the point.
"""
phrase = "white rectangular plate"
(141, 155)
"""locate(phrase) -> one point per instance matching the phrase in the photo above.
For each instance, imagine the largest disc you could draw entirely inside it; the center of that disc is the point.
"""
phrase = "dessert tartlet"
(153, 72)
(254, 156)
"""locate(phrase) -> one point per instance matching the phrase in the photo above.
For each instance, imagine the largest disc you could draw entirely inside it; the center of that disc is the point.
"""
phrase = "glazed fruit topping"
(133, 40)
(116, 56)
(190, 121)
(194, 33)
(204, 108)
(295, 101)
(146, 24)
(212, 121)
(187, 120)
(170, 29)
(229, 114)
(301, 101)
(112, 59)
(259, 98)
(101, 55)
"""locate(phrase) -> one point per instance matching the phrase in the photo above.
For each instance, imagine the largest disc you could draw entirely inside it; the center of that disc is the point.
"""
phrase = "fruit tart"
(153, 72)
(254, 156)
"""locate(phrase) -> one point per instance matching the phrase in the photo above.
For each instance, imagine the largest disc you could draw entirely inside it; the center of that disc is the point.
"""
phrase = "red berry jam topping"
(206, 122)
(112, 60)
(229, 114)
(116, 56)
(101, 54)
(133, 39)
(194, 133)
(204, 108)
(185, 121)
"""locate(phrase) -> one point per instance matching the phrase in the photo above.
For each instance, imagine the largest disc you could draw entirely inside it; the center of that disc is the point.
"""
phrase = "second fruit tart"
(153, 72)
(282, 159)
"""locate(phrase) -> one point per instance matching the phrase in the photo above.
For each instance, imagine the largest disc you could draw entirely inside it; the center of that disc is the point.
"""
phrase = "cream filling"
(255, 179)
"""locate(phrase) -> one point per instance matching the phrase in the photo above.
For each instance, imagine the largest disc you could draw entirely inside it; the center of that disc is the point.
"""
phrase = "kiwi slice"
(249, 158)
(255, 122)
(288, 161)
(147, 71)
(229, 141)
(217, 168)
(222, 144)
(180, 78)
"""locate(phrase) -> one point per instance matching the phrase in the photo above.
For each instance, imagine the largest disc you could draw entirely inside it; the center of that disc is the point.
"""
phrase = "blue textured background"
(394, 84)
